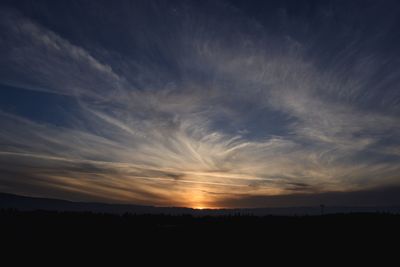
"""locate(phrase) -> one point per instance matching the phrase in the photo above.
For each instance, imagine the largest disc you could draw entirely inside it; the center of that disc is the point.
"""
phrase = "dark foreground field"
(174, 238)
(91, 227)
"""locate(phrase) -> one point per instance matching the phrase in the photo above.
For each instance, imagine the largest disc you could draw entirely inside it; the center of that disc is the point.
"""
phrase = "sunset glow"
(201, 104)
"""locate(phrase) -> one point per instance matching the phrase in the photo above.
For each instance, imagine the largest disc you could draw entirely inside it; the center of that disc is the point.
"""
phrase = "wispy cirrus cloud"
(201, 109)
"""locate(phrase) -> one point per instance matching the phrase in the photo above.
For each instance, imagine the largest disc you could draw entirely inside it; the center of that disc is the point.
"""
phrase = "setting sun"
(200, 104)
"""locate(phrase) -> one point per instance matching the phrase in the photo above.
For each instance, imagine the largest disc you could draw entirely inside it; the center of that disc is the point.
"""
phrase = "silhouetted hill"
(24, 203)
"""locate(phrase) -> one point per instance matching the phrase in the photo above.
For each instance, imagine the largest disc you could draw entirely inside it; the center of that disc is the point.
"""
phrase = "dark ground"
(85, 229)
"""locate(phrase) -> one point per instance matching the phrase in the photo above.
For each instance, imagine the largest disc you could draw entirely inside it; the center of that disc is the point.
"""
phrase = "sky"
(203, 104)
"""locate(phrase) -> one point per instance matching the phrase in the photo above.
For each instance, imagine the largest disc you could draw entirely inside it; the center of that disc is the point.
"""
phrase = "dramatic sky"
(201, 103)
